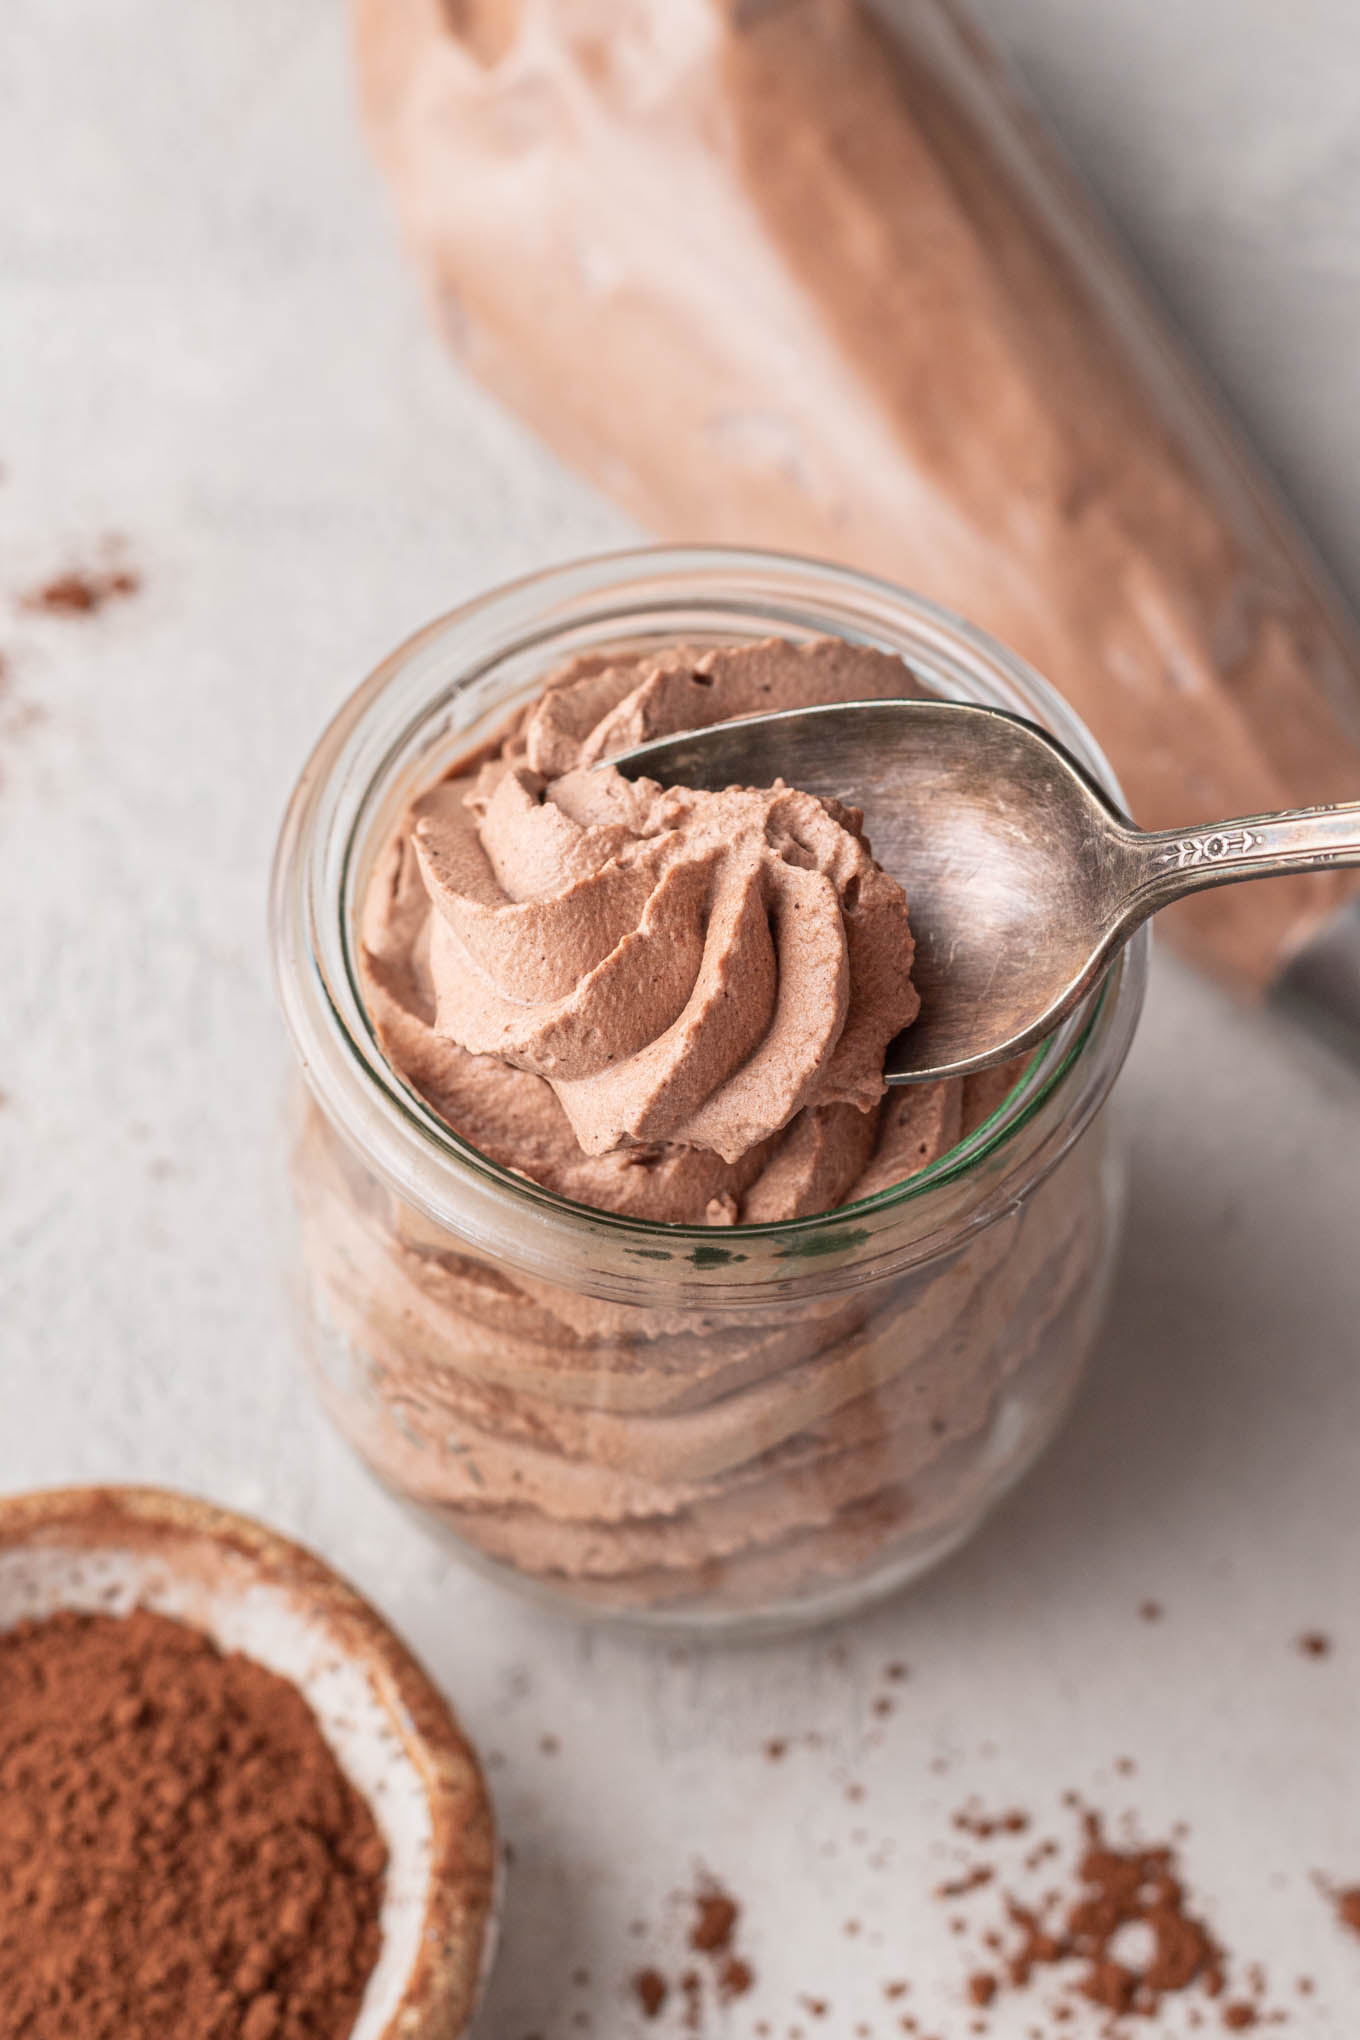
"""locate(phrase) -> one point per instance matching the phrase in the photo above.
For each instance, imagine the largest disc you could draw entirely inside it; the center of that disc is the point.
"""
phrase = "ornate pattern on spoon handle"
(1168, 863)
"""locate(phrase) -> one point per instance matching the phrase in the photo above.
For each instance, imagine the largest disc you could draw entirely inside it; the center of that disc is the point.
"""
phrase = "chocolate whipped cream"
(672, 1004)
(773, 275)
(691, 967)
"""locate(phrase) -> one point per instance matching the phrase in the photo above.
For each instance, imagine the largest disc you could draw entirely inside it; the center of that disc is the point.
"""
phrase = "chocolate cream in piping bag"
(671, 1004)
(773, 275)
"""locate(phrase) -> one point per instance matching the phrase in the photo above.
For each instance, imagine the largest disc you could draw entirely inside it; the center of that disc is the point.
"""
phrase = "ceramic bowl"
(391, 1731)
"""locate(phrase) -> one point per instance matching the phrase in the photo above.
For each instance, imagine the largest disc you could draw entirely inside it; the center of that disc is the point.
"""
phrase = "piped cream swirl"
(668, 1002)
(680, 966)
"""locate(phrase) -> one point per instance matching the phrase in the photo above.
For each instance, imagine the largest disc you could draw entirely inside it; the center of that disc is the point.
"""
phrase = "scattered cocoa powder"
(651, 1990)
(1126, 1887)
(1347, 1904)
(776, 1749)
(1120, 1933)
(17, 718)
(970, 1820)
(971, 1880)
(1151, 1611)
(81, 592)
(712, 1934)
(1315, 1643)
(177, 1840)
(716, 1914)
(735, 1978)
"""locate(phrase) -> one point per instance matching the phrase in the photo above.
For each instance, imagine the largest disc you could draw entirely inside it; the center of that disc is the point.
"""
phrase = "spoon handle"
(1168, 863)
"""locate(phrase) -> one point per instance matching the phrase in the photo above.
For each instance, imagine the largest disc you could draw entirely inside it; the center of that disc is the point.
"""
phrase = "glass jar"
(744, 1427)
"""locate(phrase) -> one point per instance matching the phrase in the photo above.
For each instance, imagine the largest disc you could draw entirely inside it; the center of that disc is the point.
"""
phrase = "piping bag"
(809, 274)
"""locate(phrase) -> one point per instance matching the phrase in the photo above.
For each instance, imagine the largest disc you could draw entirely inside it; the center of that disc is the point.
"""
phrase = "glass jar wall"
(738, 1426)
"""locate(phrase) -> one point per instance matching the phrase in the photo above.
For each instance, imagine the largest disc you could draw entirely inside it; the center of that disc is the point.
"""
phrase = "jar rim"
(346, 790)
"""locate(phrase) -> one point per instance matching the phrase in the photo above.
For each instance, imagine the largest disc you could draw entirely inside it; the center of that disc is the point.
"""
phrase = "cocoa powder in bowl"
(180, 1852)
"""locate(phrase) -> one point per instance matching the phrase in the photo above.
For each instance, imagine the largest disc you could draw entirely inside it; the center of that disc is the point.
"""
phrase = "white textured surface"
(208, 343)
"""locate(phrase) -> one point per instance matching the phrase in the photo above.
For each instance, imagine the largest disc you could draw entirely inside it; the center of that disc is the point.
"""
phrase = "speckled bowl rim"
(442, 1990)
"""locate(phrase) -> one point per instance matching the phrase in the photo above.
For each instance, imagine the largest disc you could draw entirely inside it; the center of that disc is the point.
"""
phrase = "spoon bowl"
(1023, 880)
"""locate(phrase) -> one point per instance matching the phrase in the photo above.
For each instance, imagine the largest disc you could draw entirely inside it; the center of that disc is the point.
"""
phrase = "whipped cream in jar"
(642, 1377)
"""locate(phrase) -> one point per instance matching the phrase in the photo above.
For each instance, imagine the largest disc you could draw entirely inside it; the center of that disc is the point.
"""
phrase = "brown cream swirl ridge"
(668, 1003)
(679, 966)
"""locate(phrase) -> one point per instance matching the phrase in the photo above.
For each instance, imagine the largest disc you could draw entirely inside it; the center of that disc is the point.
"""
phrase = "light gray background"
(208, 343)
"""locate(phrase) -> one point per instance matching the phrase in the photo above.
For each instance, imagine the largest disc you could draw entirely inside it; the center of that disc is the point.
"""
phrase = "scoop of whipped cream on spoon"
(1023, 879)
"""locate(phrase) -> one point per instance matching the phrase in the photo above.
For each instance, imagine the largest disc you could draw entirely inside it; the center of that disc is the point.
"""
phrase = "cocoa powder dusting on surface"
(727, 1975)
(1347, 1904)
(716, 1914)
(971, 1880)
(735, 1978)
(81, 592)
(180, 1853)
(651, 1990)
(17, 717)
(971, 1820)
(1136, 1887)
(1117, 1933)
(1315, 1643)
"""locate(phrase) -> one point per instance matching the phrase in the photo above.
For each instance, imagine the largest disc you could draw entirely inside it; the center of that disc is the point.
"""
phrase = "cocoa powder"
(180, 1853)
(712, 1934)
(1348, 1907)
(1118, 1931)
(651, 1990)
(81, 592)
(1136, 1887)
(716, 1914)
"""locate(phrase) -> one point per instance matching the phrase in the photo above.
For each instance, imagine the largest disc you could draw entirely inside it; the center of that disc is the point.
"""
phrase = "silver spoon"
(1022, 879)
